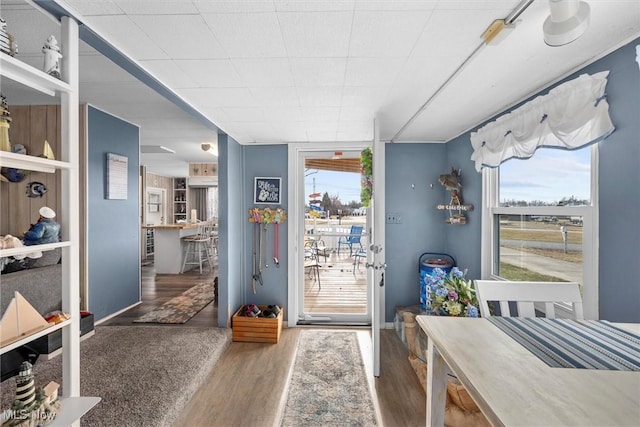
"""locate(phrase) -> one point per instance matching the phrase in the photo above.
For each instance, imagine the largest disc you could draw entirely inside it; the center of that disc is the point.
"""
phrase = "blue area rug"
(328, 386)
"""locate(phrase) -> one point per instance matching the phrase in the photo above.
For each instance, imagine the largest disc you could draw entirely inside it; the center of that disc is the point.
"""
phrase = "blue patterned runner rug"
(328, 385)
(566, 343)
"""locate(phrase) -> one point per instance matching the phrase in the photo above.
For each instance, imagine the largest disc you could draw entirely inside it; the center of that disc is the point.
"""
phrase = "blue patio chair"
(355, 234)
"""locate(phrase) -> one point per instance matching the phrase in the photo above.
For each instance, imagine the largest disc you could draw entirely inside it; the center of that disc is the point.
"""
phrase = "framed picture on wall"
(266, 190)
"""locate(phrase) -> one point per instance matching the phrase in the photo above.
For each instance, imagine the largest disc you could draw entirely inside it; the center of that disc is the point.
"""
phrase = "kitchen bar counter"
(169, 248)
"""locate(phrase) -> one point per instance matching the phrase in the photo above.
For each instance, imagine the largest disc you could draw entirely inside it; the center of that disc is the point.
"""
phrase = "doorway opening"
(334, 287)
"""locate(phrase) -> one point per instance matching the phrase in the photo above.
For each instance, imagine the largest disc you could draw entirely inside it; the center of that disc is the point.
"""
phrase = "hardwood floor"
(245, 388)
(157, 289)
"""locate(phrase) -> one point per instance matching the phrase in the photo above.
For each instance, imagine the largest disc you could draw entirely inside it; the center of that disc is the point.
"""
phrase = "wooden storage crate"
(256, 329)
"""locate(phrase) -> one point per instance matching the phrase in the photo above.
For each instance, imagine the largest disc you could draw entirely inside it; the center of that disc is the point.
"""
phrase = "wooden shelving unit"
(180, 200)
(74, 406)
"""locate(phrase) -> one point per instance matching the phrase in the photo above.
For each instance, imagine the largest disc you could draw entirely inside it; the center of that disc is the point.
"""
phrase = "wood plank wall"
(31, 126)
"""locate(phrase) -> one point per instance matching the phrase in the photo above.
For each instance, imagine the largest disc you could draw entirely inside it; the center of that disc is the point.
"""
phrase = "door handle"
(381, 266)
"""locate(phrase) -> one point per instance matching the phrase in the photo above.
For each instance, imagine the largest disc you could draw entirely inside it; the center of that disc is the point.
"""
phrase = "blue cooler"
(428, 262)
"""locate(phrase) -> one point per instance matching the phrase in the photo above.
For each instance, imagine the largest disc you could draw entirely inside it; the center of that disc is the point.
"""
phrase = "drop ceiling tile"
(354, 136)
(248, 35)
(234, 6)
(372, 71)
(396, 5)
(126, 36)
(219, 97)
(314, 6)
(168, 72)
(501, 6)
(95, 7)
(320, 96)
(193, 41)
(282, 114)
(320, 34)
(320, 114)
(361, 113)
(242, 114)
(154, 7)
(275, 96)
(355, 125)
(454, 32)
(210, 72)
(323, 126)
(265, 72)
(321, 135)
(356, 96)
(318, 71)
(386, 34)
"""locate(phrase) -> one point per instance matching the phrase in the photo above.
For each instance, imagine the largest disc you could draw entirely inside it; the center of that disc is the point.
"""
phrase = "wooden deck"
(343, 286)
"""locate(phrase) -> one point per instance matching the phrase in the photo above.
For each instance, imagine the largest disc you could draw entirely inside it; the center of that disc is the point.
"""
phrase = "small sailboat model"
(20, 320)
(47, 152)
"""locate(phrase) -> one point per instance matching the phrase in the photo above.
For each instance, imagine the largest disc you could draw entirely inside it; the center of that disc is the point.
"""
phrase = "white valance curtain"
(570, 116)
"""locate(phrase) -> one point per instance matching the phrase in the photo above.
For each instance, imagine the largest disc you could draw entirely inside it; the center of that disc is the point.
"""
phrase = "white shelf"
(25, 250)
(74, 406)
(71, 410)
(32, 163)
(29, 338)
(29, 76)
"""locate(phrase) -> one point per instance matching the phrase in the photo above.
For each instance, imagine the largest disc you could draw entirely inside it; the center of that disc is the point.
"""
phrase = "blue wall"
(422, 228)
(265, 161)
(619, 181)
(231, 220)
(113, 225)
(464, 240)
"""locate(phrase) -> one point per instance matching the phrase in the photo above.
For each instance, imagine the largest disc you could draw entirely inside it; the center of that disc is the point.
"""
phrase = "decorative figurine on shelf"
(453, 183)
(8, 43)
(52, 57)
(13, 174)
(32, 406)
(5, 120)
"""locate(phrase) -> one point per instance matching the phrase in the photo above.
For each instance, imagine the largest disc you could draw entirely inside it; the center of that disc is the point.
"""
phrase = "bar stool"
(198, 248)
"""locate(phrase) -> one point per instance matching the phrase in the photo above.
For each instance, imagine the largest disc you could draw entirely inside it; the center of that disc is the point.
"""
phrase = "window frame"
(489, 232)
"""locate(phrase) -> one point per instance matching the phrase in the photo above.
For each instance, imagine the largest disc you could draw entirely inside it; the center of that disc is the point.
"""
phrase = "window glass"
(540, 248)
(551, 177)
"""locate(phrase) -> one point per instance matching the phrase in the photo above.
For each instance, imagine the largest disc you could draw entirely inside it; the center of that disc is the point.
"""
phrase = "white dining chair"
(526, 294)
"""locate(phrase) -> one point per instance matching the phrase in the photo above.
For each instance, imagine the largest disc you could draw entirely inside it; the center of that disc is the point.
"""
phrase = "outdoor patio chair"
(311, 261)
(355, 234)
(525, 295)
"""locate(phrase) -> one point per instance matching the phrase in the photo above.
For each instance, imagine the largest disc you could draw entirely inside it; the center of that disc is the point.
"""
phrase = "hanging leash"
(276, 244)
(254, 276)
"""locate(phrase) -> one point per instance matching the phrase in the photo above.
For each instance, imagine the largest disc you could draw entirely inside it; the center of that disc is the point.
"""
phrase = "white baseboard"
(104, 319)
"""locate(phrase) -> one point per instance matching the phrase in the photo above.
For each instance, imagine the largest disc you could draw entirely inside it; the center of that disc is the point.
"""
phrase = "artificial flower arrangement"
(366, 176)
(450, 294)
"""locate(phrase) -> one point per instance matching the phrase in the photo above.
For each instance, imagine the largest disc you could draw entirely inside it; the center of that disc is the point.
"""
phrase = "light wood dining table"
(513, 387)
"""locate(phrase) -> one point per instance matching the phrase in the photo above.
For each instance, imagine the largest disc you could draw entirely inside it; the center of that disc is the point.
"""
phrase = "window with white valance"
(570, 116)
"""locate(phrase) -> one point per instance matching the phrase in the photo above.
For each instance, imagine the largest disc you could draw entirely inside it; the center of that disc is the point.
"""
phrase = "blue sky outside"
(550, 175)
(344, 184)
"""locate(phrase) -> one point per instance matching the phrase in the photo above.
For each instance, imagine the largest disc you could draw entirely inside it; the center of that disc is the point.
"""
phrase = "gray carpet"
(328, 385)
(144, 374)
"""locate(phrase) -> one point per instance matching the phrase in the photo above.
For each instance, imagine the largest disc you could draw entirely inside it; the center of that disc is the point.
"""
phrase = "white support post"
(70, 209)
